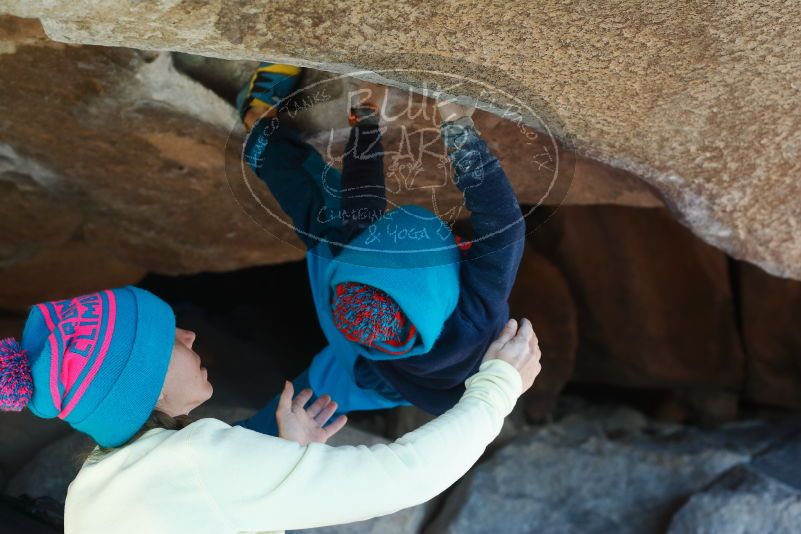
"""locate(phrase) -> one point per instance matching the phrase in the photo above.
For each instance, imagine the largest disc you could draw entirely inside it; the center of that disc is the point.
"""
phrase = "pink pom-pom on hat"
(16, 382)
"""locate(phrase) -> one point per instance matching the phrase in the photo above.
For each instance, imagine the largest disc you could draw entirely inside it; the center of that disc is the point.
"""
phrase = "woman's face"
(186, 386)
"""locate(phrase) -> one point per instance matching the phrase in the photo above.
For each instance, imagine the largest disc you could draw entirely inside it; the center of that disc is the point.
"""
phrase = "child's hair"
(157, 419)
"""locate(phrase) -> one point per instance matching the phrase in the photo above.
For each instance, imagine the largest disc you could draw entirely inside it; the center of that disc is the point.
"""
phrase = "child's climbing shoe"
(269, 85)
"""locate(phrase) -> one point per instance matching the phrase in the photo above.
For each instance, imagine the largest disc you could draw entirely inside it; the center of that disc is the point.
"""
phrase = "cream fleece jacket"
(213, 478)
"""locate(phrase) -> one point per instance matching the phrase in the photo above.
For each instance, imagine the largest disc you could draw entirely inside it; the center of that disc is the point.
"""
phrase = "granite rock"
(742, 501)
(598, 469)
(695, 100)
(770, 309)
(542, 295)
(654, 305)
(136, 155)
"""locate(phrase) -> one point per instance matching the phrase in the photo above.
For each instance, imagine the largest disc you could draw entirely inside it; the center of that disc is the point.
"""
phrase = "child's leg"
(291, 168)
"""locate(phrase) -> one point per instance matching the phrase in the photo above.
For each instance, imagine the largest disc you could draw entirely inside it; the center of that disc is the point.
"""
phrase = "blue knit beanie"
(97, 361)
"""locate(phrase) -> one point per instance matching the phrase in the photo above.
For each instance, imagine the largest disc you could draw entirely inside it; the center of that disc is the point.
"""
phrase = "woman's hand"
(306, 425)
(519, 348)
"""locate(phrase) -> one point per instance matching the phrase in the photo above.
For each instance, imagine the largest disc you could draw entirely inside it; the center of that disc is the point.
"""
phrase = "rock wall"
(654, 304)
(699, 101)
(130, 154)
(115, 162)
(115, 150)
(770, 315)
(611, 470)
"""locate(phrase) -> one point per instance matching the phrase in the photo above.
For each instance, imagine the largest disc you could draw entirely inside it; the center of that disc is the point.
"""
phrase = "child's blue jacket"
(457, 300)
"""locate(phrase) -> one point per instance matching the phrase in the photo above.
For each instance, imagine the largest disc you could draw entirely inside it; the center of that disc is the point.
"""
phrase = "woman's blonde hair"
(157, 419)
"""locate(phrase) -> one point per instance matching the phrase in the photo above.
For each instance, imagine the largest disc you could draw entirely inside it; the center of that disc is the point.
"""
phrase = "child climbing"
(407, 319)
(114, 366)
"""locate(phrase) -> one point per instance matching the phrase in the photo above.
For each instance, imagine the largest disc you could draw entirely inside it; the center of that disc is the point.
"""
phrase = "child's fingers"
(336, 426)
(285, 400)
(317, 406)
(302, 398)
(325, 414)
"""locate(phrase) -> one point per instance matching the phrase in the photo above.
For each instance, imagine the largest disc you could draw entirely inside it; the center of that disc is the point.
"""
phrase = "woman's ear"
(161, 399)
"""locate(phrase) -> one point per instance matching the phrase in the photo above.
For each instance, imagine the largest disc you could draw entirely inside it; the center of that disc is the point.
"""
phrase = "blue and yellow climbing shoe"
(269, 85)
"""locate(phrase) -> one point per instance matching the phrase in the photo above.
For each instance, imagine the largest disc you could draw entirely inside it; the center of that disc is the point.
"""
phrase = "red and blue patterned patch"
(368, 316)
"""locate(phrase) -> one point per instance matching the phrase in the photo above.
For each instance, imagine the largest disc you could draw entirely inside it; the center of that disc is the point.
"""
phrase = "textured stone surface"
(62, 271)
(21, 436)
(694, 99)
(741, 501)
(654, 304)
(782, 462)
(115, 149)
(125, 152)
(597, 470)
(770, 311)
(542, 295)
(50, 472)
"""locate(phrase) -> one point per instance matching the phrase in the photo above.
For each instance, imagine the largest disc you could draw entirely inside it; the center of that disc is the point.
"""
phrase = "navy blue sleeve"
(490, 268)
(363, 190)
(435, 381)
(283, 161)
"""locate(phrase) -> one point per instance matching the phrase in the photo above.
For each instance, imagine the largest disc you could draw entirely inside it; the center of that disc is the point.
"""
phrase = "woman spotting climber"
(114, 366)
(407, 320)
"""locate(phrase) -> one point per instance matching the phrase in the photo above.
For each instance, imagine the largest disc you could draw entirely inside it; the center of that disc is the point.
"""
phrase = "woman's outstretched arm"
(264, 483)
